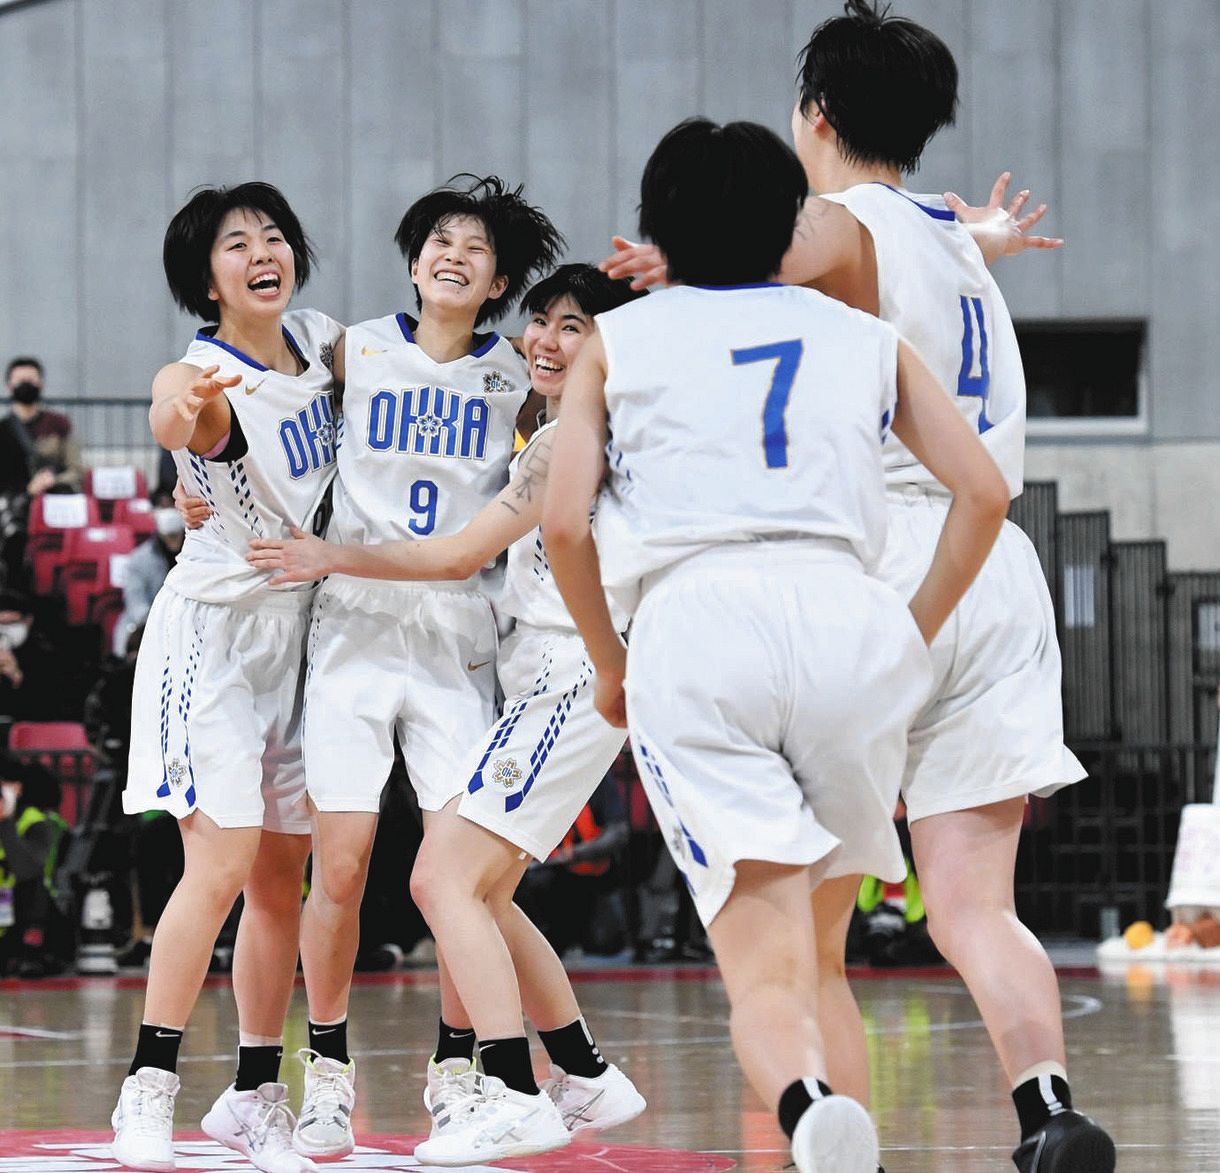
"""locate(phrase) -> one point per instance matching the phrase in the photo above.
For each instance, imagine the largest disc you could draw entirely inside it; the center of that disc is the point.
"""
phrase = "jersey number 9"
(423, 505)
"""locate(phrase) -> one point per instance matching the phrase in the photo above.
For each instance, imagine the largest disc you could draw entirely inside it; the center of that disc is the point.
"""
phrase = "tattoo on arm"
(531, 475)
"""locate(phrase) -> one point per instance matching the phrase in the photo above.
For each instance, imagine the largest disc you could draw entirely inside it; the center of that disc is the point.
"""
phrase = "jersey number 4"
(787, 357)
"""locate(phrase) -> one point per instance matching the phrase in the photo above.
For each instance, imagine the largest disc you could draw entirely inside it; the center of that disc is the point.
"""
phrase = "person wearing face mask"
(38, 454)
(37, 683)
(147, 567)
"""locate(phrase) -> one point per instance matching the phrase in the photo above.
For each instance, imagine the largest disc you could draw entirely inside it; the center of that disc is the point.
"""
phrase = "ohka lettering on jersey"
(429, 421)
(309, 437)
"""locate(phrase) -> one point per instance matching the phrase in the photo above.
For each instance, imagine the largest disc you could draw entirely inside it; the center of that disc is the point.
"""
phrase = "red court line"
(427, 977)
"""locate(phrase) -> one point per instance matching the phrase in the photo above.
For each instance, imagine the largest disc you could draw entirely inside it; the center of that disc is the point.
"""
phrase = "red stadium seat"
(93, 559)
(138, 515)
(63, 748)
(52, 515)
(111, 485)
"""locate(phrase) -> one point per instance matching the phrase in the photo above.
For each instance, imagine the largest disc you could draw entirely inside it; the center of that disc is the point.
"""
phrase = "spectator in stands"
(574, 896)
(38, 454)
(36, 936)
(147, 567)
(33, 677)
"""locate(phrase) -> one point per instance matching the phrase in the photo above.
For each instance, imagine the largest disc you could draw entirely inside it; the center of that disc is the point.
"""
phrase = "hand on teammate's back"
(645, 264)
(301, 559)
(195, 510)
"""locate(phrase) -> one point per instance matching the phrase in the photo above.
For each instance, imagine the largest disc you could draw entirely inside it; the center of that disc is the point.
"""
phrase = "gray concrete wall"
(115, 109)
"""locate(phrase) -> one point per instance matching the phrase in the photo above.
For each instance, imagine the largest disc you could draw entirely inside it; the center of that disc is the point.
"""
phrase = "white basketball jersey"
(741, 414)
(282, 477)
(936, 291)
(529, 593)
(425, 445)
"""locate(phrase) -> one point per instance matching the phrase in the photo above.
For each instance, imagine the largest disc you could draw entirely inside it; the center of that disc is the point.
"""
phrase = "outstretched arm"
(929, 424)
(999, 231)
(189, 408)
(516, 511)
(576, 474)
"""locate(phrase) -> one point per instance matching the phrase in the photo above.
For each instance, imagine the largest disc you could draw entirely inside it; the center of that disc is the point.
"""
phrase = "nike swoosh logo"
(330, 1030)
(251, 390)
(473, 667)
(369, 351)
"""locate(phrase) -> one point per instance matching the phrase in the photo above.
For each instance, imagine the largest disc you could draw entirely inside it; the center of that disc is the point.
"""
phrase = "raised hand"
(1005, 230)
(304, 558)
(202, 391)
(645, 264)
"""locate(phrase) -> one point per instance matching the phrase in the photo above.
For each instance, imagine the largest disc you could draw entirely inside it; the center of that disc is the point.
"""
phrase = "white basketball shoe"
(836, 1135)
(143, 1121)
(491, 1123)
(324, 1127)
(258, 1124)
(594, 1103)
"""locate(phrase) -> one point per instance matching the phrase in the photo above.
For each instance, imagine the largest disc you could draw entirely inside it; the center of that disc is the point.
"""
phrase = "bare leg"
(546, 991)
(268, 935)
(453, 1012)
(454, 902)
(764, 943)
(217, 863)
(965, 862)
(330, 924)
(838, 1015)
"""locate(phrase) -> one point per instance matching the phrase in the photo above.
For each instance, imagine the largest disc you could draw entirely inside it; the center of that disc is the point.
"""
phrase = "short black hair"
(523, 238)
(885, 84)
(721, 201)
(187, 252)
(585, 284)
(22, 360)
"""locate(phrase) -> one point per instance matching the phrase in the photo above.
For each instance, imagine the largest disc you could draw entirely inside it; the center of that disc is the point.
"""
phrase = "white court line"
(1086, 1006)
(30, 1032)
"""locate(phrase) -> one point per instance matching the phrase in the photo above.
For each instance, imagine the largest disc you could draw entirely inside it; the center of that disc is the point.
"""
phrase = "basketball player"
(428, 413)
(771, 679)
(525, 782)
(217, 703)
(874, 89)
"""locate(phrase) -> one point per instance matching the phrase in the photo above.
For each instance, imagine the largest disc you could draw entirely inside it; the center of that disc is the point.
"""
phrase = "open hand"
(1006, 225)
(202, 391)
(303, 558)
(645, 264)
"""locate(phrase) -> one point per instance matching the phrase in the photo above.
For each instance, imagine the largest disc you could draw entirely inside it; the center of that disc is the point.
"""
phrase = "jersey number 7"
(787, 357)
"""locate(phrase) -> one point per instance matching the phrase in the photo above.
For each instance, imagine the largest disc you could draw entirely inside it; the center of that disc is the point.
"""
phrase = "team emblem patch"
(428, 425)
(495, 383)
(326, 434)
(326, 353)
(506, 773)
(175, 773)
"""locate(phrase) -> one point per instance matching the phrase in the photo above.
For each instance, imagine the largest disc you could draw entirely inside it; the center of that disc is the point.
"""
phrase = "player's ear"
(498, 286)
(414, 269)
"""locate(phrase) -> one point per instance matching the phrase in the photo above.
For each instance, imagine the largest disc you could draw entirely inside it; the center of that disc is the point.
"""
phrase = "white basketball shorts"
(993, 728)
(216, 712)
(769, 691)
(411, 658)
(530, 776)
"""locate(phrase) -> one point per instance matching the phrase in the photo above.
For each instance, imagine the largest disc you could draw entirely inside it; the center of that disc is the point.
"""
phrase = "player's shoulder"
(313, 325)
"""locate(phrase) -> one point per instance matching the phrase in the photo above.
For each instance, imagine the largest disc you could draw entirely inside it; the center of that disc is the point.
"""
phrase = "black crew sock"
(572, 1048)
(1038, 1099)
(795, 1101)
(454, 1043)
(157, 1046)
(257, 1066)
(330, 1040)
(509, 1060)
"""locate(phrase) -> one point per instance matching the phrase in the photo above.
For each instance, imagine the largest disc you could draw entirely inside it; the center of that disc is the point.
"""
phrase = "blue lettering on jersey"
(429, 421)
(308, 438)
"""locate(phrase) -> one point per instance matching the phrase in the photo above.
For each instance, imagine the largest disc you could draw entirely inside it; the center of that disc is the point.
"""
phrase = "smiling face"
(455, 271)
(552, 341)
(252, 265)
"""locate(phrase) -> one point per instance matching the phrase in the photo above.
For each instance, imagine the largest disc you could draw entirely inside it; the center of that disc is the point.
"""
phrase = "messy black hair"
(738, 185)
(187, 251)
(22, 360)
(586, 285)
(885, 84)
(523, 238)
